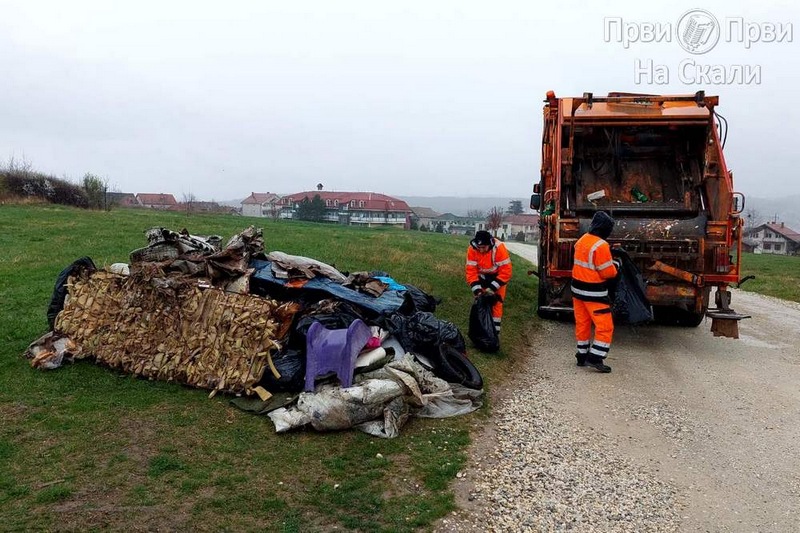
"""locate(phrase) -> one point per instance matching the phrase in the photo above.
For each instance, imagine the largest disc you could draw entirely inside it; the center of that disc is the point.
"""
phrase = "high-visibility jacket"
(592, 268)
(488, 270)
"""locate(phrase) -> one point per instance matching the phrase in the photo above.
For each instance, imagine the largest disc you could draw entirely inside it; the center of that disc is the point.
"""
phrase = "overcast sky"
(218, 99)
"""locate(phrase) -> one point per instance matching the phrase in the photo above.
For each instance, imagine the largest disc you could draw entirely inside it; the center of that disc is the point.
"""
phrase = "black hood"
(482, 238)
(602, 225)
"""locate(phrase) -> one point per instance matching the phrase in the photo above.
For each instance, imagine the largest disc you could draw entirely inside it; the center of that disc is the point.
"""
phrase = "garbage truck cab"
(654, 163)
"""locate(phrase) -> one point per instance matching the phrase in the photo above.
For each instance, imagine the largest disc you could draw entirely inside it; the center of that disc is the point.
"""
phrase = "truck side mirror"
(536, 201)
(738, 203)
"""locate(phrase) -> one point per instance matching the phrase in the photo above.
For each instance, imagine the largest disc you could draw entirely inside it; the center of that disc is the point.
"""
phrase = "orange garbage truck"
(655, 163)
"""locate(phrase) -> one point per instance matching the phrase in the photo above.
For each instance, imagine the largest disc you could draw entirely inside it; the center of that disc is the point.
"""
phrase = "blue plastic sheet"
(388, 302)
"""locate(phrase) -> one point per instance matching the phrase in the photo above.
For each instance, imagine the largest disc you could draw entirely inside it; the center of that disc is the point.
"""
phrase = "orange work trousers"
(599, 314)
(497, 308)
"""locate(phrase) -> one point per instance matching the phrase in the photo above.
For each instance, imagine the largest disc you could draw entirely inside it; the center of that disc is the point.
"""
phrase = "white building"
(774, 238)
(261, 204)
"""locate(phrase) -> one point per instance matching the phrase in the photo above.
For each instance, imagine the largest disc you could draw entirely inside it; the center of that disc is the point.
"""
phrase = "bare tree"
(274, 211)
(188, 200)
(752, 219)
(476, 214)
(494, 220)
(22, 167)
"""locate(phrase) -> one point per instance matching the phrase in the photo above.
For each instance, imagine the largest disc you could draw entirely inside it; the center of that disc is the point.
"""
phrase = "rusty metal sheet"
(668, 294)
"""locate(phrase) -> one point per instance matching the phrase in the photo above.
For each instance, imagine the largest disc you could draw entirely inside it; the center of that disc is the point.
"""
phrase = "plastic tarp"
(386, 303)
(380, 402)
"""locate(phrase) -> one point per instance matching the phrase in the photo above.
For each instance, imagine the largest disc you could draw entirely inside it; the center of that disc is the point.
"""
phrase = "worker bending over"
(489, 269)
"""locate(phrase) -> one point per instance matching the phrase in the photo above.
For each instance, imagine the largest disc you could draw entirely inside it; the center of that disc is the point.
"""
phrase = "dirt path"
(716, 420)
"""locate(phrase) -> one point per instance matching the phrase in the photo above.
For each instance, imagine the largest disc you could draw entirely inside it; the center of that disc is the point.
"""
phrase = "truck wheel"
(690, 319)
(542, 302)
(675, 316)
(559, 316)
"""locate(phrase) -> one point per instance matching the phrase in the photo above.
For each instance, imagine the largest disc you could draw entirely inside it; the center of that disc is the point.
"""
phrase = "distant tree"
(414, 224)
(424, 227)
(189, 200)
(520, 237)
(752, 219)
(95, 189)
(440, 227)
(515, 207)
(273, 211)
(303, 209)
(494, 220)
(476, 214)
(312, 210)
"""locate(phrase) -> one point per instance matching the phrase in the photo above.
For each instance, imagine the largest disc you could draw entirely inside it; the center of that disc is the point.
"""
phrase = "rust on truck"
(656, 164)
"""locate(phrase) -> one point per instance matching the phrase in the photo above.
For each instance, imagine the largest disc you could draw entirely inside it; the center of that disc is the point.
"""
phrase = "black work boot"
(581, 357)
(598, 364)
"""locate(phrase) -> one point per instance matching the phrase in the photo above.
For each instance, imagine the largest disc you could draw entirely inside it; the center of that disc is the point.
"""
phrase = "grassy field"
(85, 448)
(776, 275)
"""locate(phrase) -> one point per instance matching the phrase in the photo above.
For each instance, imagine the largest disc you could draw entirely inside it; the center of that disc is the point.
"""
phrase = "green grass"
(84, 447)
(776, 275)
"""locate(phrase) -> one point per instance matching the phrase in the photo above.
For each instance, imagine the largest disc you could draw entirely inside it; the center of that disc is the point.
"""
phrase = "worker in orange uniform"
(489, 269)
(593, 268)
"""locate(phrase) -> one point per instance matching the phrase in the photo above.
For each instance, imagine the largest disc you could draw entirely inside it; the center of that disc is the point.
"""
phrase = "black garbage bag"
(60, 289)
(291, 365)
(481, 326)
(332, 314)
(423, 333)
(629, 304)
(421, 300)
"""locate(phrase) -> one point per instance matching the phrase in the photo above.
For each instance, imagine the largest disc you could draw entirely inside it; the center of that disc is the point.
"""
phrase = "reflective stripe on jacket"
(494, 267)
(592, 268)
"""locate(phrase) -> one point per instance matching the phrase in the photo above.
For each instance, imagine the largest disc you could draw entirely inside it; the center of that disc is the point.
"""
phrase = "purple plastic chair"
(334, 350)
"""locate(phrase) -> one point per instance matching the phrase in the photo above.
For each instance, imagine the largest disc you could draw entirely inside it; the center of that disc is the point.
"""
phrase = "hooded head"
(482, 238)
(602, 225)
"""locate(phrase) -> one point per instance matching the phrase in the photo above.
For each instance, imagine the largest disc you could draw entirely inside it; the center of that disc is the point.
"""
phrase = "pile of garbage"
(290, 336)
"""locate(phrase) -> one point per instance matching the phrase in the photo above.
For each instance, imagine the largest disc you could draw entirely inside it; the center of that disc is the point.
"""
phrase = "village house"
(199, 207)
(512, 225)
(457, 225)
(352, 208)
(261, 204)
(122, 199)
(773, 238)
(424, 216)
(525, 224)
(156, 200)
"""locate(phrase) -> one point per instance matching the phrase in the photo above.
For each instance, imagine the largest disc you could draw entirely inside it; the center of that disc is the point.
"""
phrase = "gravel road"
(688, 433)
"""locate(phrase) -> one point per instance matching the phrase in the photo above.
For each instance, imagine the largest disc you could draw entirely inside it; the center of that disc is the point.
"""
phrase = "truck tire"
(544, 314)
(690, 319)
(675, 316)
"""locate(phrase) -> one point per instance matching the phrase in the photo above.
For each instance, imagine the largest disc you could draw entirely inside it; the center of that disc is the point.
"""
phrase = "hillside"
(460, 206)
(763, 210)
